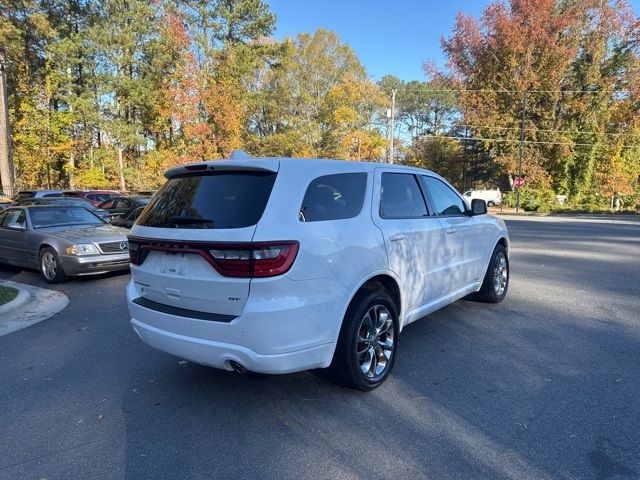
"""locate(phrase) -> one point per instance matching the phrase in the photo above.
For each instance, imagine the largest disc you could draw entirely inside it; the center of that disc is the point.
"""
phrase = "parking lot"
(542, 385)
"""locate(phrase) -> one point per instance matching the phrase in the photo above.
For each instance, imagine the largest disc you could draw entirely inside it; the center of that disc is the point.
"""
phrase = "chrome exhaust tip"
(237, 367)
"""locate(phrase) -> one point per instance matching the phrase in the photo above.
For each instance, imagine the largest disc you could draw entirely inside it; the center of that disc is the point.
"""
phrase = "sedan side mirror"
(478, 206)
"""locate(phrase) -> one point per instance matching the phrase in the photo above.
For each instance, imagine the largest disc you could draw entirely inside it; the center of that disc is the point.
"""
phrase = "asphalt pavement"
(544, 385)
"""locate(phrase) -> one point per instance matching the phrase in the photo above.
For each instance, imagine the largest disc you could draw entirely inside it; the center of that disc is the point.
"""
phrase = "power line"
(489, 90)
(490, 127)
(504, 140)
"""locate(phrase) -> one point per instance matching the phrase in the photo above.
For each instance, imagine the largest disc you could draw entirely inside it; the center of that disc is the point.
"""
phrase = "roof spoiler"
(244, 163)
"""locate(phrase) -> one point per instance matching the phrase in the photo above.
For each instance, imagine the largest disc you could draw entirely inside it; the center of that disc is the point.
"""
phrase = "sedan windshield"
(59, 217)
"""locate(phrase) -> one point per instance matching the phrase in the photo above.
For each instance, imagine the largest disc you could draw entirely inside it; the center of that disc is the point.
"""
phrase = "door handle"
(396, 238)
(451, 231)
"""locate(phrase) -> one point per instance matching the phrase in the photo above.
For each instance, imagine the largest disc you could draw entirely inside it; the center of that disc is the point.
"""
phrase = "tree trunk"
(7, 171)
(71, 165)
(123, 186)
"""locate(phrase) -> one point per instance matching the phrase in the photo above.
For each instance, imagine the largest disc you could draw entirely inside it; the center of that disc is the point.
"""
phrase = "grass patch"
(7, 294)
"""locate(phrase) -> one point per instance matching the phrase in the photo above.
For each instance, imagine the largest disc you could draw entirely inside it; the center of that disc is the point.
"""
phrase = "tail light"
(134, 252)
(244, 260)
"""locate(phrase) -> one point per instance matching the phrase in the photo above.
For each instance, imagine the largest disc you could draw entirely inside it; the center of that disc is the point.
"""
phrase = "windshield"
(58, 217)
(212, 200)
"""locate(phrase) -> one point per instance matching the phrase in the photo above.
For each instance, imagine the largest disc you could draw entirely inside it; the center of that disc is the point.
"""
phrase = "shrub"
(531, 200)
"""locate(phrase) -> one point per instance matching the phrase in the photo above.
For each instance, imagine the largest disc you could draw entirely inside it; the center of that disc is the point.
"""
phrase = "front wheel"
(368, 341)
(496, 280)
(50, 266)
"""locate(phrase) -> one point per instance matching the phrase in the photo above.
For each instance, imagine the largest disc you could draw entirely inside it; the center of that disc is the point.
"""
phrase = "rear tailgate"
(195, 212)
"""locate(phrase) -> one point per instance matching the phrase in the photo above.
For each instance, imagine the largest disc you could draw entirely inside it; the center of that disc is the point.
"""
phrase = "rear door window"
(334, 197)
(213, 200)
(401, 197)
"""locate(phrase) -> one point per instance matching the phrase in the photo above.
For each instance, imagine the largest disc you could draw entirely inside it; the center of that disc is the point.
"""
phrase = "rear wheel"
(490, 203)
(367, 344)
(496, 280)
(50, 266)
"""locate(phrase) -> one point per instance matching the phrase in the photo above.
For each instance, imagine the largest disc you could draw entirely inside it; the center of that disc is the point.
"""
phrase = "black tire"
(490, 203)
(50, 266)
(345, 369)
(494, 289)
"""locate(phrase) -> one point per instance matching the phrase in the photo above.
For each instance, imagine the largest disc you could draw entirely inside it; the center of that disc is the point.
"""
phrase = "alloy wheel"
(374, 346)
(49, 265)
(500, 274)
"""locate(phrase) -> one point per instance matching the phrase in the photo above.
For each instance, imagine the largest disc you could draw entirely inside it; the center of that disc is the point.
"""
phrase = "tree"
(315, 100)
(575, 61)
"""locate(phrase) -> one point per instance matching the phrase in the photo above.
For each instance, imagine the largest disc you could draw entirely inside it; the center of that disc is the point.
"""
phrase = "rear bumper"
(220, 354)
(273, 334)
(94, 264)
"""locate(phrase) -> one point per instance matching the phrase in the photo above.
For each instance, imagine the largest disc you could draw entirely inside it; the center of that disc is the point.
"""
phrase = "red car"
(96, 197)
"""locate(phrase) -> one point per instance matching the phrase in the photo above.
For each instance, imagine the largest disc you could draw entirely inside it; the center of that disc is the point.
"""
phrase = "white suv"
(278, 265)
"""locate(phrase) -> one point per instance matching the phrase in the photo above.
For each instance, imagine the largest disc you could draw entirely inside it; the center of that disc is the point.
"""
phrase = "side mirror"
(478, 206)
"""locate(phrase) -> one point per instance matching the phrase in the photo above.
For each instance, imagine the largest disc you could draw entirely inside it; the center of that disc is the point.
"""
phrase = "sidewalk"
(32, 305)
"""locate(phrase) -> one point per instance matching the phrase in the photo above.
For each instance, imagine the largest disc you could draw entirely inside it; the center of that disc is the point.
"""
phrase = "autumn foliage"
(111, 93)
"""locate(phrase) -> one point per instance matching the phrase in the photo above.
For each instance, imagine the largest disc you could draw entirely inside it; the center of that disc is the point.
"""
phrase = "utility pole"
(393, 117)
(7, 172)
(521, 154)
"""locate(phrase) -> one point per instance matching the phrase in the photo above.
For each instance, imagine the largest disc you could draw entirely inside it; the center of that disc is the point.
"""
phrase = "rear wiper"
(187, 220)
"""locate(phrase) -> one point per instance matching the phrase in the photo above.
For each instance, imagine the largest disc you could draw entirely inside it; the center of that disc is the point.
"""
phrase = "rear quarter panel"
(338, 254)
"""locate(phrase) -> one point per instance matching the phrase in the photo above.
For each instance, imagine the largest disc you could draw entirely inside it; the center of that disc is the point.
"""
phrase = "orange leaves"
(205, 118)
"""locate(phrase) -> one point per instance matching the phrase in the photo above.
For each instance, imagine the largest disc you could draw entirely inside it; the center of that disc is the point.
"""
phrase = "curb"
(604, 216)
(37, 304)
(576, 217)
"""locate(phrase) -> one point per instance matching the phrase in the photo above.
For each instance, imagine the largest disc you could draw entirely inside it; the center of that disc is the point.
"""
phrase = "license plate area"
(174, 264)
(186, 280)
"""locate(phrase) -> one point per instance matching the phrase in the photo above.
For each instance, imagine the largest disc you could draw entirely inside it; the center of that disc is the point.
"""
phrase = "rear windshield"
(23, 195)
(72, 202)
(212, 200)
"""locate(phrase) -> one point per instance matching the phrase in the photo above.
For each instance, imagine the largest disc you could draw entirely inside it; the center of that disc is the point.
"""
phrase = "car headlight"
(83, 249)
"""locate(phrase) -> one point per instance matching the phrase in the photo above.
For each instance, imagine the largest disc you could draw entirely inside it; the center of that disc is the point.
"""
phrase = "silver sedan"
(61, 241)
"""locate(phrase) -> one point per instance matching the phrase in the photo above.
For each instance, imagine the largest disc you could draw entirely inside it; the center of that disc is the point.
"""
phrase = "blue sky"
(390, 37)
